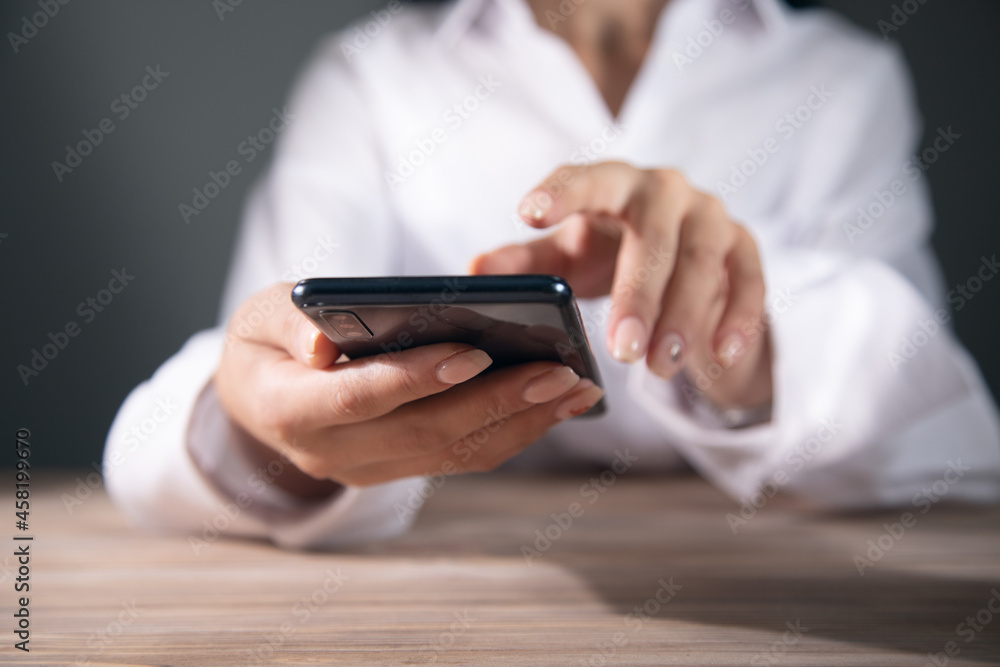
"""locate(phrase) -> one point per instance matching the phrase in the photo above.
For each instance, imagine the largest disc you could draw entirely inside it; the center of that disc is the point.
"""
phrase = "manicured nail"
(535, 206)
(580, 401)
(731, 349)
(550, 384)
(463, 366)
(669, 356)
(630, 340)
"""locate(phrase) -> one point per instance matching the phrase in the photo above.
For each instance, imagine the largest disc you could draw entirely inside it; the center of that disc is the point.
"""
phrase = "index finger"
(649, 206)
(604, 187)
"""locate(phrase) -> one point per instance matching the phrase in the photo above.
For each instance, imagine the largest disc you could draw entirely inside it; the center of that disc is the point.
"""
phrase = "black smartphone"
(514, 319)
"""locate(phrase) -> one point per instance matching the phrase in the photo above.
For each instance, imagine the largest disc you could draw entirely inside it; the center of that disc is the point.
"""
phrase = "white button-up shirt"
(407, 152)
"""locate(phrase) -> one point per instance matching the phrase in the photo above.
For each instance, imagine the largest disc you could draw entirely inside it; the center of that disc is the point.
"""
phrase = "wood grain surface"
(649, 573)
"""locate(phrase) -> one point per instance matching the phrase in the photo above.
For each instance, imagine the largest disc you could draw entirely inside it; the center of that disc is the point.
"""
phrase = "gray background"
(119, 208)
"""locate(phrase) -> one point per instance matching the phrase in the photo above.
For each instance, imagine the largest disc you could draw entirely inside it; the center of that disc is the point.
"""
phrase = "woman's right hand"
(423, 411)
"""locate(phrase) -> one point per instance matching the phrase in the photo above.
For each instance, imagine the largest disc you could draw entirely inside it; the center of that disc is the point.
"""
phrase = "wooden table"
(650, 573)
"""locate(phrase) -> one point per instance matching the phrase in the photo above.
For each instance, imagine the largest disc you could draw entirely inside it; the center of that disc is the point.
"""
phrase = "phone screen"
(509, 332)
(514, 319)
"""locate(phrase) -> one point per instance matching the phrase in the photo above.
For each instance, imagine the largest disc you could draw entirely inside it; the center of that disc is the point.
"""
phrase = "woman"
(734, 175)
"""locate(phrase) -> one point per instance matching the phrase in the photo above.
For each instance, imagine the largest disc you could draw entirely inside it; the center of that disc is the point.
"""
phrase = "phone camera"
(346, 324)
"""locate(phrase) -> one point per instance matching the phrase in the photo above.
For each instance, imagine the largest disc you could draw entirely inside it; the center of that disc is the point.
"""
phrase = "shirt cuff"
(350, 516)
(217, 446)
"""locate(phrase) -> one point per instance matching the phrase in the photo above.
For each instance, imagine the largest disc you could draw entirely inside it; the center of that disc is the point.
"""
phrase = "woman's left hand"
(686, 281)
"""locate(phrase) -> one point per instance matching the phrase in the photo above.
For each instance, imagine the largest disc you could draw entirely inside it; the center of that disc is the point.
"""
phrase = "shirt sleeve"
(875, 400)
(320, 211)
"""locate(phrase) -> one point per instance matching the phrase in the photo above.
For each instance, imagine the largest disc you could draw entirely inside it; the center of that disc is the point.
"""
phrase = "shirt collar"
(682, 15)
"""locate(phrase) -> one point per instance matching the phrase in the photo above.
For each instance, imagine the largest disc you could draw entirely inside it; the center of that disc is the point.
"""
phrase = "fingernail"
(535, 206)
(669, 356)
(630, 340)
(312, 345)
(731, 349)
(550, 384)
(463, 366)
(580, 401)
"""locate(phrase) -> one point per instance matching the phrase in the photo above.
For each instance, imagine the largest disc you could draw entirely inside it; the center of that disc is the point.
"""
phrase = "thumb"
(538, 256)
(509, 259)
